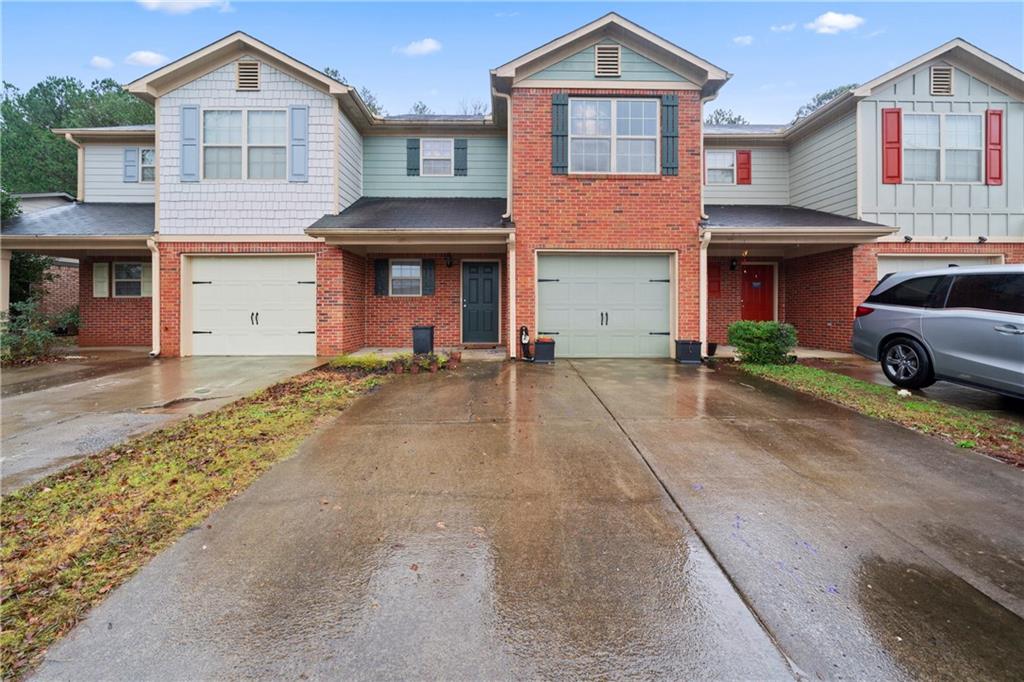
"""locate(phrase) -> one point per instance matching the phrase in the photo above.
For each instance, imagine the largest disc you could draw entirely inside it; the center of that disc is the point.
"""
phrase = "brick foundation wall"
(60, 293)
(389, 319)
(111, 321)
(596, 212)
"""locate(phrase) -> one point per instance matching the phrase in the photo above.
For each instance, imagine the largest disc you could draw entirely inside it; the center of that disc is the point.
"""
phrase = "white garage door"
(254, 305)
(892, 264)
(605, 306)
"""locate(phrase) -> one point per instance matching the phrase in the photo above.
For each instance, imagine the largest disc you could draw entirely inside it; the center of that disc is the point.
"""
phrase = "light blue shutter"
(131, 164)
(298, 144)
(190, 143)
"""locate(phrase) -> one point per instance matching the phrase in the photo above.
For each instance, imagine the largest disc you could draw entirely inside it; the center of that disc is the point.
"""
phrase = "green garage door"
(605, 306)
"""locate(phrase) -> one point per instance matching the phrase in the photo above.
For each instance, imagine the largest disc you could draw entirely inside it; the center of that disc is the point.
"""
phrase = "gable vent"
(247, 76)
(942, 80)
(607, 60)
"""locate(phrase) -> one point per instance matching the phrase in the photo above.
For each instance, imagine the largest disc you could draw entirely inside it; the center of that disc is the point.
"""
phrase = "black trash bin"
(544, 351)
(687, 351)
(422, 340)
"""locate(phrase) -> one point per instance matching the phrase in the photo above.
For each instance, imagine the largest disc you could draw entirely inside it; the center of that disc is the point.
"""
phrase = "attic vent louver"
(942, 80)
(607, 61)
(247, 76)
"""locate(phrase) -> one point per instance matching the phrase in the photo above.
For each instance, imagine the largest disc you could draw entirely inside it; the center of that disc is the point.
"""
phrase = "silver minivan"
(955, 324)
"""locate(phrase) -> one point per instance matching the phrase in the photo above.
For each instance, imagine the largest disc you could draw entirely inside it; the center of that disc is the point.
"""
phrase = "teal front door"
(480, 302)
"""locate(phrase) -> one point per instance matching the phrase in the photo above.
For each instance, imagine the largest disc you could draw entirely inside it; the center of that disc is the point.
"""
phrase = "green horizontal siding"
(384, 171)
(580, 67)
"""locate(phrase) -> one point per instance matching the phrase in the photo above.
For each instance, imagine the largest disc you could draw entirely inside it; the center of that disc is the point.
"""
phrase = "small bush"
(763, 343)
(25, 333)
(369, 363)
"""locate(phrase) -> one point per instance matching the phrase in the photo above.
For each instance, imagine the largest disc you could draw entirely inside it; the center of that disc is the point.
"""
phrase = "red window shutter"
(994, 147)
(892, 146)
(743, 167)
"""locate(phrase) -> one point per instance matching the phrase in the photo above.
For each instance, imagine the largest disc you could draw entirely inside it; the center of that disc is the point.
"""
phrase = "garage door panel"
(227, 292)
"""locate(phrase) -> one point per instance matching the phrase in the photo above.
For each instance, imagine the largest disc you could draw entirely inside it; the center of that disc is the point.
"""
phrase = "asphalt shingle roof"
(777, 216)
(746, 129)
(84, 220)
(390, 213)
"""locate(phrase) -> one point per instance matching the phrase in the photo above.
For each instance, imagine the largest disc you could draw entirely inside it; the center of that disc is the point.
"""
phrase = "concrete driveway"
(55, 414)
(591, 519)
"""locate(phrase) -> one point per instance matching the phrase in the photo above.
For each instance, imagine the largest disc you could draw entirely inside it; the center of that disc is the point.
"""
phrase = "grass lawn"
(74, 536)
(964, 428)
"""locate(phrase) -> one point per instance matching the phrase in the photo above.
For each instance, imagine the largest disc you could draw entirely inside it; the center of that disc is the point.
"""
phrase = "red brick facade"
(602, 212)
(724, 306)
(61, 292)
(111, 321)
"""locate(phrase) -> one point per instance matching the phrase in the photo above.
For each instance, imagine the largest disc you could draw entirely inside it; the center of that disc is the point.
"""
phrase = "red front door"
(757, 291)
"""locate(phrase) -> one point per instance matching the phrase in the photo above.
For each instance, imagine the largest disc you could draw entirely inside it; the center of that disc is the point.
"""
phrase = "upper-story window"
(720, 167)
(944, 147)
(437, 156)
(259, 137)
(147, 164)
(613, 136)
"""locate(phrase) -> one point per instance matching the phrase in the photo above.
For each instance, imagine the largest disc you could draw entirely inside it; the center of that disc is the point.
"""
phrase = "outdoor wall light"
(447, 260)
(907, 238)
(733, 264)
(982, 239)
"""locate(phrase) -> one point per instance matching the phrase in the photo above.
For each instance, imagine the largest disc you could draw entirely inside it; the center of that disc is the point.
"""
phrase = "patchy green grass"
(72, 537)
(964, 428)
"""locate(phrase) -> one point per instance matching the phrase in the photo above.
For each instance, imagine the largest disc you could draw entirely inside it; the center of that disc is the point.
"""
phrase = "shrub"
(763, 343)
(369, 363)
(25, 333)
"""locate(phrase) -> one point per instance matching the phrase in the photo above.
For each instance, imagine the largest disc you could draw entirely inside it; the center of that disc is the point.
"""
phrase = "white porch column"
(5, 280)
(705, 240)
(513, 333)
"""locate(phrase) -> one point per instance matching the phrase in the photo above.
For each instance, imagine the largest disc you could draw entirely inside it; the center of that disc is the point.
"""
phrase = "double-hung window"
(259, 137)
(942, 147)
(406, 278)
(127, 280)
(147, 164)
(720, 167)
(437, 156)
(613, 135)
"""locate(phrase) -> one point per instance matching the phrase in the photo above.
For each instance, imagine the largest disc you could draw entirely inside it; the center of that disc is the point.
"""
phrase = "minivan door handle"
(1009, 329)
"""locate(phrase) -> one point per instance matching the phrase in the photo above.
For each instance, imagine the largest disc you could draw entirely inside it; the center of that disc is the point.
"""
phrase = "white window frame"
(451, 156)
(404, 261)
(942, 148)
(614, 136)
(244, 146)
(147, 165)
(114, 279)
(707, 167)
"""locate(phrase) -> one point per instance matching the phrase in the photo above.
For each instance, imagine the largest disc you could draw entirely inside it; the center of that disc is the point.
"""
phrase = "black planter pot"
(422, 340)
(687, 352)
(712, 349)
(544, 352)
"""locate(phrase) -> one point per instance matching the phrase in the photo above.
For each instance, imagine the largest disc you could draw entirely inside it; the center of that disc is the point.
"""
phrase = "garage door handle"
(257, 319)
(251, 315)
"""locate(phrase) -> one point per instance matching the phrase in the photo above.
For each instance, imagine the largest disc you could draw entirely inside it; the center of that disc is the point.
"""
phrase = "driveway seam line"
(794, 669)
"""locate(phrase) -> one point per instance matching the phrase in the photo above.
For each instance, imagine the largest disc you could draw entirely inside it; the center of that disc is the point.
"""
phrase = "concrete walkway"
(593, 519)
(55, 414)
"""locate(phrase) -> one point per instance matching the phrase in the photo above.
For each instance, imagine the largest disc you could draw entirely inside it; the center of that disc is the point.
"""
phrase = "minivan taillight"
(863, 310)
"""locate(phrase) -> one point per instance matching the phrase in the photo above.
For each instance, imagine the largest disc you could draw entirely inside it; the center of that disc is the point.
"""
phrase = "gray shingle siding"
(350, 162)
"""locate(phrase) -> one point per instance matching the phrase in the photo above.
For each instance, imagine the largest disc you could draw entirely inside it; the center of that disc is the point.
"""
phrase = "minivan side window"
(915, 292)
(1002, 293)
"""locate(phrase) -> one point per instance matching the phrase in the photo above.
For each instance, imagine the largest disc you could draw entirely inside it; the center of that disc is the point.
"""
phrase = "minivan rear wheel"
(905, 363)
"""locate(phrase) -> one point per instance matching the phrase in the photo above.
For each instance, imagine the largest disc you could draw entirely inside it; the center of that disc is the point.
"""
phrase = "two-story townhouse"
(268, 211)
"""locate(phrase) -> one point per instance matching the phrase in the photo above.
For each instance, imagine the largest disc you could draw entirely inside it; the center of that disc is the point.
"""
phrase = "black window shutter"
(670, 135)
(380, 277)
(461, 156)
(559, 133)
(428, 277)
(412, 156)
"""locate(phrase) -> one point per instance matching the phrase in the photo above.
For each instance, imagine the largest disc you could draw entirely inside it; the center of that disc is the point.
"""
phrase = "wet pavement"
(591, 519)
(57, 413)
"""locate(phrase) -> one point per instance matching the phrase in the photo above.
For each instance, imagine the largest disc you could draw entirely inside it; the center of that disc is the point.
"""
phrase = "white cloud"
(183, 6)
(99, 62)
(743, 40)
(418, 48)
(875, 34)
(831, 23)
(783, 28)
(506, 15)
(145, 58)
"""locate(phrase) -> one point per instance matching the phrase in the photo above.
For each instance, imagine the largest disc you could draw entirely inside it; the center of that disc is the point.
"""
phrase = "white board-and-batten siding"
(247, 206)
(944, 209)
(104, 175)
(769, 178)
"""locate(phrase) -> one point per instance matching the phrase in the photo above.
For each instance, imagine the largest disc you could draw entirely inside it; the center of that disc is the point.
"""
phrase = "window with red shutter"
(743, 174)
(892, 146)
(994, 147)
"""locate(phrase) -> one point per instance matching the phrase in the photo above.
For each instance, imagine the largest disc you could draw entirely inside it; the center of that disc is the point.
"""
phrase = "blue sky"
(781, 53)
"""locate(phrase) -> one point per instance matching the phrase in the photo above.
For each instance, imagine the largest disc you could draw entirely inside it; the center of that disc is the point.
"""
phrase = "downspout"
(513, 333)
(705, 240)
(508, 151)
(155, 299)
